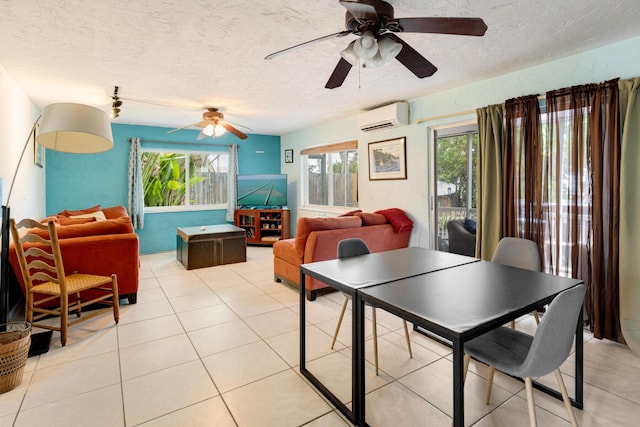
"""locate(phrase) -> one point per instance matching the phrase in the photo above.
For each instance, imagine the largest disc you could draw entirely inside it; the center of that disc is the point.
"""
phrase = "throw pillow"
(470, 225)
(372, 218)
(351, 213)
(99, 216)
(66, 212)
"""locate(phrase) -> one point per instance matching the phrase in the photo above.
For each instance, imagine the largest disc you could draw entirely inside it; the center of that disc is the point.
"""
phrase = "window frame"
(187, 207)
(322, 153)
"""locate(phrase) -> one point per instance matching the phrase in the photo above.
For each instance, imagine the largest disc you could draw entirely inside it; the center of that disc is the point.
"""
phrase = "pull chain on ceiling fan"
(373, 21)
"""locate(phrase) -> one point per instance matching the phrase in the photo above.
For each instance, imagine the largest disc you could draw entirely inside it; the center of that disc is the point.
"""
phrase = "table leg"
(302, 324)
(458, 384)
(358, 361)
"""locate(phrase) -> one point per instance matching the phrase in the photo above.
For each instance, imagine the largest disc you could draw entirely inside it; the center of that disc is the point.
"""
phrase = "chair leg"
(64, 318)
(344, 308)
(535, 316)
(465, 367)
(513, 324)
(487, 394)
(406, 335)
(533, 422)
(375, 340)
(565, 398)
(115, 299)
(29, 308)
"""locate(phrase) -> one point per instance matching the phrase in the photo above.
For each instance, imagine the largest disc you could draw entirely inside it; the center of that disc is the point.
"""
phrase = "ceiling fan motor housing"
(213, 114)
(359, 21)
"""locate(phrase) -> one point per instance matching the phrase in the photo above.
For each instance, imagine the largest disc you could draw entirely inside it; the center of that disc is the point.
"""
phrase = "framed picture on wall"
(288, 156)
(388, 159)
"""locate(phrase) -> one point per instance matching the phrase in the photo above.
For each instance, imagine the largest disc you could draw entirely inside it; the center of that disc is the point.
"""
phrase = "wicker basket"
(15, 339)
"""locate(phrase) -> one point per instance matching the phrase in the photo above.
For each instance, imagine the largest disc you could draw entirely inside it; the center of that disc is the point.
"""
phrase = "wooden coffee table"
(210, 245)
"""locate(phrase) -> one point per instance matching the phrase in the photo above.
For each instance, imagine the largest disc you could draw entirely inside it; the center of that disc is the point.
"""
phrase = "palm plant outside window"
(178, 180)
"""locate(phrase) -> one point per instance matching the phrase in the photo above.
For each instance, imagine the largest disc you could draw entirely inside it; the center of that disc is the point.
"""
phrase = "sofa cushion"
(69, 213)
(97, 216)
(470, 225)
(351, 213)
(372, 218)
(307, 225)
(115, 212)
(110, 226)
(63, 220)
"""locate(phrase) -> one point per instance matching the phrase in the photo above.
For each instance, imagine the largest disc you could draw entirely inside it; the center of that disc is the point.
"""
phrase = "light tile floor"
(219, 347)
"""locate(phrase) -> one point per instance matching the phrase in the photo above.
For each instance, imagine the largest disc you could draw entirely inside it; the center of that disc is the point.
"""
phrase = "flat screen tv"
(262, 190)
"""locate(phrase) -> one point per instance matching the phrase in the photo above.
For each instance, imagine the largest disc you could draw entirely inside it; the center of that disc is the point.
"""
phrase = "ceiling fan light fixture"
(366, 46)
(349, 55)
(213, 130)
(375, 62)
(388, 48)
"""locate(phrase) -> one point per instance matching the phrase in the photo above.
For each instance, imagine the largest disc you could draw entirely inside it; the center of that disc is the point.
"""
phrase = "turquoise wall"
(76, 181)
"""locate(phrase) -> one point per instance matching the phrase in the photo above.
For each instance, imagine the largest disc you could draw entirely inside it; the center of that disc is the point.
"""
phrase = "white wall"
(17, 115)
(621, 59)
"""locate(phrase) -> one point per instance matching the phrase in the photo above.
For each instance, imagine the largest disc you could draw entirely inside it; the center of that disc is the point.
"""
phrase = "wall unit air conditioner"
(391, 115)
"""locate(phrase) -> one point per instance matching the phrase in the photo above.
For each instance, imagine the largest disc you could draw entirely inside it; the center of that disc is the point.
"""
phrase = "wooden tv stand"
(263, 226)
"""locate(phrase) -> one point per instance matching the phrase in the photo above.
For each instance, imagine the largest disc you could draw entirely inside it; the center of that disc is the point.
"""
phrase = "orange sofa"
(317, 240)
(93, 246)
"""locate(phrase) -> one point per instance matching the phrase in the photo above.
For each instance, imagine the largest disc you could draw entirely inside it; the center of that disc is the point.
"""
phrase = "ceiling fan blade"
(202, 123)
(339, 74)
(183, 127)
(411, 59)
(233, 130)
(459, 26)
(360, 11)
(310, 42)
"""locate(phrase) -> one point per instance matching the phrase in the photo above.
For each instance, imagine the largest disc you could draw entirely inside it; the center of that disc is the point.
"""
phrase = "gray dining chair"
(520, 253)
(353, 247)
(522, 355)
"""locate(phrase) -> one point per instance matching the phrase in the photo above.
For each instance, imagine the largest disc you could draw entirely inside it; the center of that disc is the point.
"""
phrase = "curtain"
(135, 198)
(489, 191)
(629, 98)
(522, 169)
(232, 182)
(583, 147)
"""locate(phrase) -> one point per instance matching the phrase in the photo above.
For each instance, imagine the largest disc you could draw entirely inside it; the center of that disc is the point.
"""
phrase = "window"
(165, 176)
(456, 153)
(331, 175)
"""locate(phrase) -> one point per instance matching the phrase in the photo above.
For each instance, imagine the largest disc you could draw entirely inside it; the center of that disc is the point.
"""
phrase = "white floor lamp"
(66, 127)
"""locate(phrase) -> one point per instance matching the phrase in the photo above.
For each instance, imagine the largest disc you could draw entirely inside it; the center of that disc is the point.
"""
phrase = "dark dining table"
(350, 275)
(453, 297)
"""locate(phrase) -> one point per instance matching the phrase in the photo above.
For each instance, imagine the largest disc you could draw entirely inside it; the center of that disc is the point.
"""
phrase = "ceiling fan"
(373, 21)
(213, 124)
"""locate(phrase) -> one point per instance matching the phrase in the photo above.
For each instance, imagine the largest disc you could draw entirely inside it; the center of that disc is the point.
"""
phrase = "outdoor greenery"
(163, 177)
(453, 167)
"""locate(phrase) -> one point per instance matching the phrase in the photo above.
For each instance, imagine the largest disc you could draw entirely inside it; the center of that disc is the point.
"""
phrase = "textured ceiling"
(182, 55)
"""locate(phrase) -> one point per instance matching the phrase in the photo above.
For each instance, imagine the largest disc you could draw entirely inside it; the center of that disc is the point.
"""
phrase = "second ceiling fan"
(374, 22)
(213, 124)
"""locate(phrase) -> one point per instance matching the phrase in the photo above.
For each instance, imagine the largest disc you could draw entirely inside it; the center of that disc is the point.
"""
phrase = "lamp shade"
(389, 48)
(75, 128)
(366, 46)
(349, 55)
(213, 130)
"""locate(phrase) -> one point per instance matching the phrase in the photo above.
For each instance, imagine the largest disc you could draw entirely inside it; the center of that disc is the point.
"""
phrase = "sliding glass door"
(455, 153)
